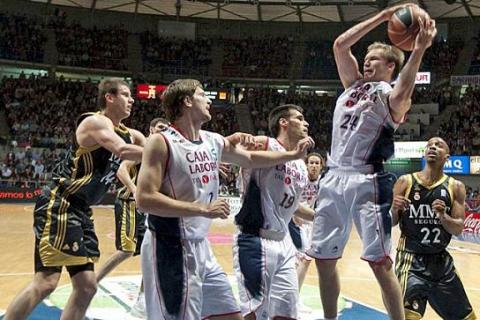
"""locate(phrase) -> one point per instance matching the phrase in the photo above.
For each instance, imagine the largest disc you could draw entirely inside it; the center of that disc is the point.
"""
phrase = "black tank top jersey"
(422, 231)
(86, 173)
(123, 192)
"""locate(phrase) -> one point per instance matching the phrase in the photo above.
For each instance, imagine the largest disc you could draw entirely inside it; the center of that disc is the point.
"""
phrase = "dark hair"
(278, 113)
(154, 122)
(172, 97)
(108, 85)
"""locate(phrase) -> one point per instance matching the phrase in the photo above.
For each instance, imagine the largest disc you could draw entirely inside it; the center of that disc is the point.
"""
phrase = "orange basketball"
(403, 26)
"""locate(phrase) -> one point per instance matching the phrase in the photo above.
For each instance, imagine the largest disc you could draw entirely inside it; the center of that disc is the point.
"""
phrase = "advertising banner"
(472, 222)
(19, 195)
(409, 149)
(475, 165)
(464, 80)
(455, 165)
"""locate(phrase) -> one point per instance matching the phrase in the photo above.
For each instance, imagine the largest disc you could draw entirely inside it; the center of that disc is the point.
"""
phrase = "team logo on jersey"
(75, 247)
(415, 305)
(416, 196)
(288, 180)
(205, 179)
(200, 162)
(443, 193)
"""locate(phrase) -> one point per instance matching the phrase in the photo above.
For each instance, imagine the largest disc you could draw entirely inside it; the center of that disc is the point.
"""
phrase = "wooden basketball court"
(358, 283)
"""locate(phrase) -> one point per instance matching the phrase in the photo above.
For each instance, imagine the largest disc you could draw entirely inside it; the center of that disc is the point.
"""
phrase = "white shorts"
(365, 198)
(301, 237)
(183, 280)
(266, 276)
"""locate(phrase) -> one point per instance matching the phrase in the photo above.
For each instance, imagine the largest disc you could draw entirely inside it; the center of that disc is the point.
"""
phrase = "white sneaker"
(138, 309)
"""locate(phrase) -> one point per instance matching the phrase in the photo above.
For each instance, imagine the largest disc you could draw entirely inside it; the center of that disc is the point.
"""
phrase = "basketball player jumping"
(430, 207)
(355, 186)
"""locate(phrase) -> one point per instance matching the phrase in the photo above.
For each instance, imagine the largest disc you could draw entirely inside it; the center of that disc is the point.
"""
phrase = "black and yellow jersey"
(125, 193)
(86, 173)
(422, 231)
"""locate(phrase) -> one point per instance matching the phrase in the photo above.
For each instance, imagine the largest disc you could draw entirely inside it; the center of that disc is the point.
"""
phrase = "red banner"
(472, 223)
(19, 194)
(149, 91)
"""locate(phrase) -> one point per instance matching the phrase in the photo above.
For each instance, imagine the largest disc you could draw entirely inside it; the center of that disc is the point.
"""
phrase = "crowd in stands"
(319, 61)
(41, 111)
(472, 200)
(175, 56)
(29, 167)
(21, 38)
(475, 62)
(464, 122)
(257, 58)
(443, 95)
(92, 48)
(24, 38)
(262, 100)
(441, 58)
(41, 114)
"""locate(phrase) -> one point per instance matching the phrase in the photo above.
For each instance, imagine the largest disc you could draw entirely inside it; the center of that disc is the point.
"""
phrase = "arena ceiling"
(273, 10)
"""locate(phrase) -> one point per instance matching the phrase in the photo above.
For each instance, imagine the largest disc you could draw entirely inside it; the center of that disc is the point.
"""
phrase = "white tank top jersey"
(191, 175)
(310, 192)
(363, 127)
(281, 187)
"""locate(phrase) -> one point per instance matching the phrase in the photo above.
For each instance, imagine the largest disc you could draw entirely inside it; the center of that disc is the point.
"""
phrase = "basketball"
(403, 26)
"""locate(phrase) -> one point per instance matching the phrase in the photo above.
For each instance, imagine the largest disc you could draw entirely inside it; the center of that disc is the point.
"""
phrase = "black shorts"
(129, 226)
(64, 233)
(432, 278)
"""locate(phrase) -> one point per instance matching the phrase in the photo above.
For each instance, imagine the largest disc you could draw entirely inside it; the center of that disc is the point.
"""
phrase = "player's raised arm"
(400, 97)
(347, 64)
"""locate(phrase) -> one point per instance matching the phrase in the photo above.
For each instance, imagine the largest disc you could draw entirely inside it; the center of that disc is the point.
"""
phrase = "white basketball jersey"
(191, 175)
(310, 192)
(362, 126)
(281, 187)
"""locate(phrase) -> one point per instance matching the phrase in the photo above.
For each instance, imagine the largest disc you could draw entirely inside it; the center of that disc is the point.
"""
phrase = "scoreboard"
(147, 91)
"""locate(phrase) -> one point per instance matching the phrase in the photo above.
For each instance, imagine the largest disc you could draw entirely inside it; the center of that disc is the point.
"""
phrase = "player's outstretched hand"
(303, 146)
(427, 33)
(400, 203)
(218, 209)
